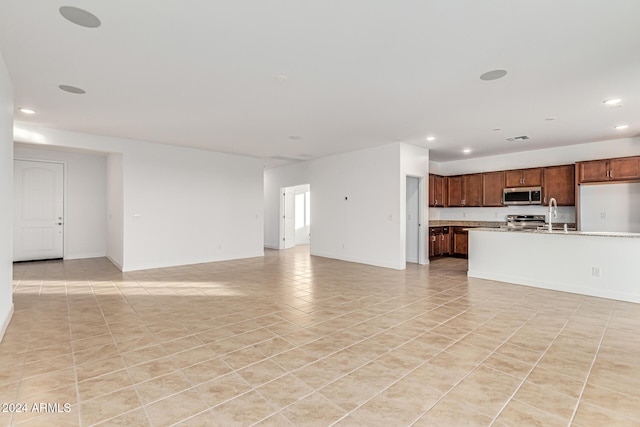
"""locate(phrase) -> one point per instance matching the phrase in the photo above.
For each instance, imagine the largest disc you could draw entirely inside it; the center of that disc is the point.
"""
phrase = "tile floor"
(291, 339)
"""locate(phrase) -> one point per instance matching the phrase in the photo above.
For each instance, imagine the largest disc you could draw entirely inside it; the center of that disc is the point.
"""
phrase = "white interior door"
(38, 228)
(413, 213)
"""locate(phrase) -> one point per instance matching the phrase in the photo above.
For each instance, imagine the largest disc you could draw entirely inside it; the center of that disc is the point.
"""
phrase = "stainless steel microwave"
(522, 196)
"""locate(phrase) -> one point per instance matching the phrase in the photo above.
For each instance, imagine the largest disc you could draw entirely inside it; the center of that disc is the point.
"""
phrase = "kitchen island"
(598, 264)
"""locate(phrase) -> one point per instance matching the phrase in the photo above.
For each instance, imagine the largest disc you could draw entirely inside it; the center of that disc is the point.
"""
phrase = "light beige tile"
(109, 406)
(176, 408)
(314, 410)
(222, 389)
(426, 345)
(517, 413)
(161, 387)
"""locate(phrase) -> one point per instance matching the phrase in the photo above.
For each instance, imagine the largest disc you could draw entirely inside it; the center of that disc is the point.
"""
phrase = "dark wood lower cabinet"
(448, 241)
(460, 241)
(439, 241)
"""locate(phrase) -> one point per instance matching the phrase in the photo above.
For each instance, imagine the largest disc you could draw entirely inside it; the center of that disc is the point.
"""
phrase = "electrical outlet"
(595, 271)
(464, 214)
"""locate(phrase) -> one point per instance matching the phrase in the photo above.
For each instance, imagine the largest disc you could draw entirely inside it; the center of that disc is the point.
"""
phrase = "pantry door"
(38, 228)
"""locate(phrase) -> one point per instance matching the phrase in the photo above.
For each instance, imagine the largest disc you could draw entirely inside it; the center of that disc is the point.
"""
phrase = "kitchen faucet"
(553, 211)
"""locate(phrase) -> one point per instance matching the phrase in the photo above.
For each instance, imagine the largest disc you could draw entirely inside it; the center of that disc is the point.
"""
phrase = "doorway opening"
(414, 232)
(295, 216)
(38, 225)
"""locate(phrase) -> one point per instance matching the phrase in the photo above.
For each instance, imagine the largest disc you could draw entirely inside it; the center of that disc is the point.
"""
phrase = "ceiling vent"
(518, 138)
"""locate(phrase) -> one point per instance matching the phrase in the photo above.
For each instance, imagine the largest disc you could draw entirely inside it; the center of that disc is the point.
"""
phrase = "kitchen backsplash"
(565, 213)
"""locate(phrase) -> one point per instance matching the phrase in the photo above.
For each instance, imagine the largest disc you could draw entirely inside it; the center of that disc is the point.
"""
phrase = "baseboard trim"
(5, 323)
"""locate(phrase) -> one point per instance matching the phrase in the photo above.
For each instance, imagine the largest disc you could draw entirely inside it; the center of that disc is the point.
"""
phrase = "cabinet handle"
(610, 174)
(433, 238)
(442, 237)
(545, 199)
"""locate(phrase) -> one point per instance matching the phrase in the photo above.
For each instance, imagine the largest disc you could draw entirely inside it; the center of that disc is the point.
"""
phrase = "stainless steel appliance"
(524, 222)
(522, 196)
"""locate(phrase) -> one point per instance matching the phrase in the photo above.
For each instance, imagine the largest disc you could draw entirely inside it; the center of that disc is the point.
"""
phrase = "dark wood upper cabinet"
(620, 169)
(624, 168)
(559, 183)
(492, 186)
(455, 191)
(464, 190)
(472, 190)
(523, 177)
(437, 190)
(593, 171)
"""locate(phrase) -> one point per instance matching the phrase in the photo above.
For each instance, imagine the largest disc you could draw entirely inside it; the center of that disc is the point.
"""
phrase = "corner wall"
(85, 227)
(6, 193)
(357, 202)
(179, 205)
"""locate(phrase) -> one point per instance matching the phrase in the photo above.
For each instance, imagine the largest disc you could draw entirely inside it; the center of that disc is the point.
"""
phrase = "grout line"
(534, 366)
(593, 362)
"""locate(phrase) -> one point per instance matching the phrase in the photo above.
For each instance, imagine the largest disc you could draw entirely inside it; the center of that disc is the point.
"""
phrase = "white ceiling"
(359, 73)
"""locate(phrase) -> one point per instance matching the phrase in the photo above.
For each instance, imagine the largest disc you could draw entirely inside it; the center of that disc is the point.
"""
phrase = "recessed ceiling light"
(466, 150)
(431, 138)
(493, 75)
(550, 119)
(612, 101)
(621, 127)
(496, 129)
(282, 78)
(72, 89)
(27, 111)
(80, 16)
(295, 137)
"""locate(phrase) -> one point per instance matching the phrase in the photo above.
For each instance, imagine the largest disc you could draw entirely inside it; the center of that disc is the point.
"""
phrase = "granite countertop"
(560, 231)
(459, 223)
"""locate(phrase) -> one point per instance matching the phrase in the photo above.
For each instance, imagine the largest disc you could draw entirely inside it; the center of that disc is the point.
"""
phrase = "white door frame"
(422, 225)
(283, 219)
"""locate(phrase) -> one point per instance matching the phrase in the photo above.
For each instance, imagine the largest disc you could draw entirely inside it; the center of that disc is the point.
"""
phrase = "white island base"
(597, 264)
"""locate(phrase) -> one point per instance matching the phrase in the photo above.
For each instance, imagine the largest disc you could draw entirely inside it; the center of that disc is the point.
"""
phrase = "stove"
(524, 222)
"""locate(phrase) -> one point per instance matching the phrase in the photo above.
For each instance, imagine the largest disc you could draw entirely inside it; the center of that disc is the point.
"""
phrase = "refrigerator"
(610, 207)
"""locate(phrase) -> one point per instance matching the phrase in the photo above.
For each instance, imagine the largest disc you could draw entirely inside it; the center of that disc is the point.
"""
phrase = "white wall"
(180, 205)
(115, 209)
(358, 202)
(85, 227)
(6, 194)
(545, 157)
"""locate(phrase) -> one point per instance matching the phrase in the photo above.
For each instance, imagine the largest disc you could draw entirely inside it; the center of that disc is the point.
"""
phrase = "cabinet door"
(446, 243)
(492, 186)
(472, 188)
(513, 178)
(593, 171)
(460, 241)
(532, 177)
(626, 168)
(454, 191)
(432, 193)
(440, 184)
(559, 183)
(435, 241)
